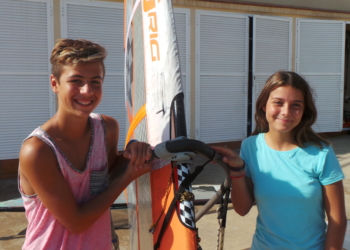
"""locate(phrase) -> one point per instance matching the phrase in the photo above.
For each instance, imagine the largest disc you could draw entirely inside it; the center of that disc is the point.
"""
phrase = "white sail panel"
(162, 84)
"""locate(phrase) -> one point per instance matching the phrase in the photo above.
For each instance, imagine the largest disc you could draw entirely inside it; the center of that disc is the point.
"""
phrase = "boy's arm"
(38, 165)
(117, 162)
(118, 168)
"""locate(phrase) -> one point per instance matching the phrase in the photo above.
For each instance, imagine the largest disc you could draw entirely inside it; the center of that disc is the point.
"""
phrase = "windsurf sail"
(161, 210)
(155, 112)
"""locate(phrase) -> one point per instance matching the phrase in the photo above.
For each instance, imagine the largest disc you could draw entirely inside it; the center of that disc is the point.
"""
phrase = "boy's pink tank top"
(44, 231)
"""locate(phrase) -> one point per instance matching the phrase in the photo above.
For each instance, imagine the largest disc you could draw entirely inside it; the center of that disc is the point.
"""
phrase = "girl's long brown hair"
(302, 134)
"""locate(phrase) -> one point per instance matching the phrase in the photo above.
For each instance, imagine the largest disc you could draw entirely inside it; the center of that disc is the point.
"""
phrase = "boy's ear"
(54, 83)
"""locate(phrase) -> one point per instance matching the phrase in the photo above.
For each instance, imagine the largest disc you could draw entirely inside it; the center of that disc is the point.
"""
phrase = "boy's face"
(79, 89)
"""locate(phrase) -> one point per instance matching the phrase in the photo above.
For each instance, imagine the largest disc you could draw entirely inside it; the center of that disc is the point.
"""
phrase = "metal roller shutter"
(26, 98)
(221, 76)
(320, 60)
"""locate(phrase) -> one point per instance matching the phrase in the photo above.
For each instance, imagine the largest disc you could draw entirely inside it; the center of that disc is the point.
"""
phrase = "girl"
(291, 172)
(64, 164)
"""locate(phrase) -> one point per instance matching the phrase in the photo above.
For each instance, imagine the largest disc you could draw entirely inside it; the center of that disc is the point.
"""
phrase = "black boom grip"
(190, 145)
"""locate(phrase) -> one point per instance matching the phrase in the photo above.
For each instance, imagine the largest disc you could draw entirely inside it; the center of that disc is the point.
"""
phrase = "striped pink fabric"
(44, 231)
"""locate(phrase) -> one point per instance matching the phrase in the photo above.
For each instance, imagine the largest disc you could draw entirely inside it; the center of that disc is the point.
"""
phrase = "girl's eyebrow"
(283, 99)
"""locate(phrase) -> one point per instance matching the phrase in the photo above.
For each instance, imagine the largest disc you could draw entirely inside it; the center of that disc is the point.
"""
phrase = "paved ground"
(239, 230)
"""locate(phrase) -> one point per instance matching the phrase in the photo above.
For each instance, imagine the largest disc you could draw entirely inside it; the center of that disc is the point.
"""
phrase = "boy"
(64, 164)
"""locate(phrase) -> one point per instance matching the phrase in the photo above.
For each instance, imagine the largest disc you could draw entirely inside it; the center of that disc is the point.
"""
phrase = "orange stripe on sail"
(177, 235)
(135, 122)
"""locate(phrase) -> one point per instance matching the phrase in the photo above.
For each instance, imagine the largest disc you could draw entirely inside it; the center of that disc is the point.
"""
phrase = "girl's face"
(79, 89)
(284, 109)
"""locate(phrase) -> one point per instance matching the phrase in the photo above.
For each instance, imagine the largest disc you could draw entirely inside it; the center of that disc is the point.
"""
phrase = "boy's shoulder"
(110, 122)
(35, 149)
(112, 129)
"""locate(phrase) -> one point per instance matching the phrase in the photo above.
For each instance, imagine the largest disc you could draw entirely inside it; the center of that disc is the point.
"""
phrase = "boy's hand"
(138, 152)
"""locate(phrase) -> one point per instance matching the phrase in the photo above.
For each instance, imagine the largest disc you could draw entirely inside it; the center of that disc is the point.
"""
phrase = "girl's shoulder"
(316, 150)
(253, 142)
(313, 153)
(253, 139)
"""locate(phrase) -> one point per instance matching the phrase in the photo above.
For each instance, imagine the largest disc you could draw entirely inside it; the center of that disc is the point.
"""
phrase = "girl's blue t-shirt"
(288, 193)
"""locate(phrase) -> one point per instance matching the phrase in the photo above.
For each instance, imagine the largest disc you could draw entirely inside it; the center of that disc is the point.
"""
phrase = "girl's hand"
(229, 156)
(138, 152)
(242, 194)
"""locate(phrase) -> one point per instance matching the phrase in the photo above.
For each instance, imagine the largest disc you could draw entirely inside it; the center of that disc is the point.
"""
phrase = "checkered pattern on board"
(186, 207)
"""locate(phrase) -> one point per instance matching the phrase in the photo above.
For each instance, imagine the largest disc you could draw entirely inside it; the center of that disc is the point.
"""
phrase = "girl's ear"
(54, 83)
(264, 108)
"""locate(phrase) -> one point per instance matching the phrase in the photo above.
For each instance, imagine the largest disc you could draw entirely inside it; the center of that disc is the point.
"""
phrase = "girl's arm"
(242, 195)
(333, 199)
(38, 166)
(242, 188)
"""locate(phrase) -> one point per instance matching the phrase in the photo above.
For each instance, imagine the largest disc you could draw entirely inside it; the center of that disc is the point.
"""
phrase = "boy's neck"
(68, 128)
(280, 141)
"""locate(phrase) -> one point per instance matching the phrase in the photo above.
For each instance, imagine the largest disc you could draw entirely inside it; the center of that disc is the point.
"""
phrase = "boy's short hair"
(74, 52)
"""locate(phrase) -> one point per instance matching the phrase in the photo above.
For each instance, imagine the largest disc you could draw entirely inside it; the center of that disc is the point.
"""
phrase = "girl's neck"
(280, 141)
